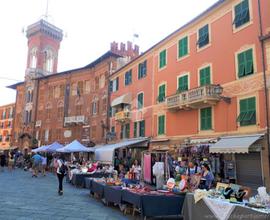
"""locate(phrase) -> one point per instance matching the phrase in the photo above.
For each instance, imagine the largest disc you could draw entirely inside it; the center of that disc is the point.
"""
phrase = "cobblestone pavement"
(25, 198)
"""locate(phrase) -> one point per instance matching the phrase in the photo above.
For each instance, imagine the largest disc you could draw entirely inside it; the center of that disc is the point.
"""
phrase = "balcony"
(122, 116)
(195, 98)
(74, 120)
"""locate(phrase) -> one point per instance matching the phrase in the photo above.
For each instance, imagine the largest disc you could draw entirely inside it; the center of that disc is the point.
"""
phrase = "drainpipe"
(108, 101)
(36, 109)
(264, 79)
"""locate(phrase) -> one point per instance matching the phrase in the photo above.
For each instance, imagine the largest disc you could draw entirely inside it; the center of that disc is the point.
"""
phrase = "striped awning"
(124, 99)
(235, 144)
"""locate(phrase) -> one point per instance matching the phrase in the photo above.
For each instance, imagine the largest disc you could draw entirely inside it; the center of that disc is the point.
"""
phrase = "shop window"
(182, 47)
(205, 76)
(162, 59)
(182, 83)
(242, 15)
(142, 69)
(206, 118)
(203, 36)
(161, 93)
(247, 114)
(161, 124)
(128, 77)
(140, 101)
(245, 63)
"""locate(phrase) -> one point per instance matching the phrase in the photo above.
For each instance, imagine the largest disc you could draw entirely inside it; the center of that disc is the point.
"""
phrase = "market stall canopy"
(124, 99)
(105, 153)
(40, 149)
(235, 144)
(74, 146)
(54, 146)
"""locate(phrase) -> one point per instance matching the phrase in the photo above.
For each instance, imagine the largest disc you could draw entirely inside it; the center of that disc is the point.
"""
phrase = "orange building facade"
(6, 123)
(206, 81)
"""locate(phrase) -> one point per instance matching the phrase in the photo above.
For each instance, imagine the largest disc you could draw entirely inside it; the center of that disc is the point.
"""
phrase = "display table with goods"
(213, 204)
(149, 202)
(78, 179)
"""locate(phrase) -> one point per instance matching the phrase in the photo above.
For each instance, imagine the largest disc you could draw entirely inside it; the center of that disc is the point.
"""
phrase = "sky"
(89, 27)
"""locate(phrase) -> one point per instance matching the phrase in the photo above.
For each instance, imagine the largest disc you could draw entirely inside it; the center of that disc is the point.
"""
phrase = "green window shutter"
(205, 77)
(135, 130)
(161, 125)
(183, 47)
(140, 100)
(249, 62)
(183, 83)
(162, 58)
(241, 64)
(117, 84)
(161, 93)
(142, 128)
(206, 118)
(247, 114)
(203, 36)
(127, 130)
(241, 12)
(140, 71)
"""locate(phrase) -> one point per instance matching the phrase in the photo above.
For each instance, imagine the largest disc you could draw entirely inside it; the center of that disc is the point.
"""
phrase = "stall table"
(97, 188)
(200, 210)
(78, 178)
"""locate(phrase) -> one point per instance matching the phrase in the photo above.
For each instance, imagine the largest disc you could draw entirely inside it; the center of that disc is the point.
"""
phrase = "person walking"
(10, 161)
(37, 160)
(2, 161)
(61, 172)
(44, 165)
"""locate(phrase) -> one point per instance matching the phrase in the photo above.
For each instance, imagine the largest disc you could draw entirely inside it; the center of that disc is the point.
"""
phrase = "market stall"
(220, 209)
(150, 203)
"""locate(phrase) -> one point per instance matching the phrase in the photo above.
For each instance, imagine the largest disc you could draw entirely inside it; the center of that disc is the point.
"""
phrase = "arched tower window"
(49, 60)
(33, 58)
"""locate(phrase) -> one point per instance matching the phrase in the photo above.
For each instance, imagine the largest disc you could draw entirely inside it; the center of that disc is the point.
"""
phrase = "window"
(62, 91)
(140, 101)
(87, 87)
(205, 78)
(128, 77)
(142, 69)
(80, 88)
(139, 129)
(96, 83)
(50, 92)
(247, 114)
(48, 113)
(161, 93)
(203, 36)
(94, 131)
(183, 47)
(206, 118)
(104, 104)
(162, 58)
(161, 124)
(114, 85)
(46, 135)
(78, 109)
(49, 61)
(241, 12)
(183, 83)
(94, 108)
(245, 63)
(125, 131)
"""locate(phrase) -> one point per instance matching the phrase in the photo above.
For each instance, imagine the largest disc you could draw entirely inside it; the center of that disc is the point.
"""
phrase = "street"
(23, 197)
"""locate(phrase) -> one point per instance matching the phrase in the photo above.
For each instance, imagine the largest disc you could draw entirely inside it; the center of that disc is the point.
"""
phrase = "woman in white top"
(61, 172)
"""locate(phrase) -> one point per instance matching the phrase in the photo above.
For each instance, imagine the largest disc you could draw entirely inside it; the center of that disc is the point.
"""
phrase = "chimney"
(122, 47)
(136, 50)
(114, 47)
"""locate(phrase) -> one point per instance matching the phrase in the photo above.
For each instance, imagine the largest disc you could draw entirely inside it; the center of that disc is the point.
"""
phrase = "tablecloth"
(78, 179)
(97, 188)
(113, 194)
(200, 210)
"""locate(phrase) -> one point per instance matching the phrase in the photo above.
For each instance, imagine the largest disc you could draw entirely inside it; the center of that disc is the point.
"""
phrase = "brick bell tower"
(43, 45)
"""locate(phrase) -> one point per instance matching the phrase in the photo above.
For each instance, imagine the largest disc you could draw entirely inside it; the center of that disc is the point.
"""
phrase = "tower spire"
(46, 16)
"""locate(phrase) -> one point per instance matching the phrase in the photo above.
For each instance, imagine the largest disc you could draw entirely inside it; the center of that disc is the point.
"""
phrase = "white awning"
(124, 99)
(235, 144)
(105, 153)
